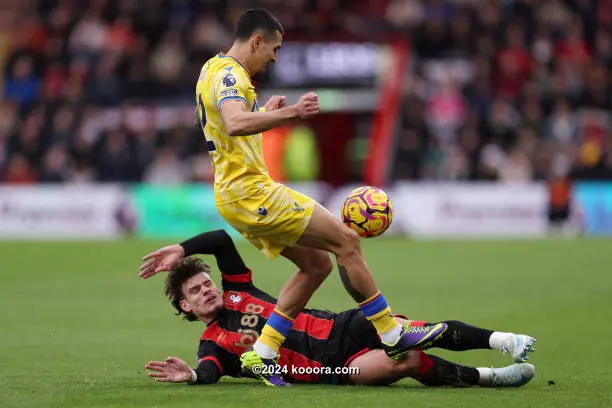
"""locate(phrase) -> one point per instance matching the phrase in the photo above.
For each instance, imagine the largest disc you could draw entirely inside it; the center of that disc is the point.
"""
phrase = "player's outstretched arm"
(161, 260)
(217, 243)
(240, 122)
(176, 370)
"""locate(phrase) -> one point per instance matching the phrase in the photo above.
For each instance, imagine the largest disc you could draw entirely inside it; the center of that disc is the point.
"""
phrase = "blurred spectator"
(502, 89)
(200, 169)
(89, 37)
(513, 63)
(538, 86)
(208, 36)
(55, 168)
(446, 111)
(103, 87)
(63, 127)
(19, 171)
(516, 168)
(603, 48)
(562, 125)
(408, 156)
(81, 151)
(166, 168)
(168, 59)
(119, 35)
(28, 139)
(22, 85)
(115, 158)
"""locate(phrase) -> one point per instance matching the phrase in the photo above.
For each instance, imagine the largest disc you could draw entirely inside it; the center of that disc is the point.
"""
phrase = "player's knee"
(327, 266)
(322, 265)
(350, 244)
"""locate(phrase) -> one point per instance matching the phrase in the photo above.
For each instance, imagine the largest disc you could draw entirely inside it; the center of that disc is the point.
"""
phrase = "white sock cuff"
(485, 376)
(264, 351)
(391, 336)
(496, 341)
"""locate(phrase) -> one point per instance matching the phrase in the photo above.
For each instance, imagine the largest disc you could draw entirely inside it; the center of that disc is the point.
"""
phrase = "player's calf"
(461, 336)
(435, 371)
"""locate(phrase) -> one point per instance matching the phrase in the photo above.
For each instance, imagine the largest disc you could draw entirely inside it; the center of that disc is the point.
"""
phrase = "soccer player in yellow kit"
(274, 218)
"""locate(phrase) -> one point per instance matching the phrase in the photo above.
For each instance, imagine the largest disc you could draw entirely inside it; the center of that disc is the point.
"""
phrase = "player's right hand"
(308, 105)
(172, 370)
(161, 260)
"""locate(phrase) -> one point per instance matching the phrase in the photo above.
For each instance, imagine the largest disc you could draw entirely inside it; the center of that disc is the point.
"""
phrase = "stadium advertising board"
(472, 209)
(62, 211)
(421, 210)
(593, 201)
(463, 210)
(177, 212)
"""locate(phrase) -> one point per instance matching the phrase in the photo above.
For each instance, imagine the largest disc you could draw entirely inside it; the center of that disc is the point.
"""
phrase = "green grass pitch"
(77, 325)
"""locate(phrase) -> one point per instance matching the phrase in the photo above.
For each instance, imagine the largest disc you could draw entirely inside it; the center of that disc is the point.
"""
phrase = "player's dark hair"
(254, 20)
(186, 269)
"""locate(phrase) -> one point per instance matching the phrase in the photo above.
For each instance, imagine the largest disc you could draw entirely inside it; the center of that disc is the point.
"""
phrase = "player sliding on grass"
(318, 338)
(274, 218)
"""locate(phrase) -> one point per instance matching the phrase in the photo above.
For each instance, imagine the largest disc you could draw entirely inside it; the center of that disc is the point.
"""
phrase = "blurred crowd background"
(495, 90)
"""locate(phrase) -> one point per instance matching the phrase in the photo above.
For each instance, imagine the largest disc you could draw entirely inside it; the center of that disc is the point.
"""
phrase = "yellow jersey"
(238, 161)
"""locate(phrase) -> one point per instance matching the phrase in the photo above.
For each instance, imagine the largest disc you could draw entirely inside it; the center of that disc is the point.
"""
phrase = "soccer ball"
(368, 211)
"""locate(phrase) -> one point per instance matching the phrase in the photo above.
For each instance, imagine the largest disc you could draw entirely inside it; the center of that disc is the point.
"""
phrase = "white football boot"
(518, 345)
(515, 375)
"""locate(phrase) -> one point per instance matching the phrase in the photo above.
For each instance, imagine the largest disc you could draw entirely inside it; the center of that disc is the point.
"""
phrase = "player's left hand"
(276, 102)
(161, 260)
(172, 370)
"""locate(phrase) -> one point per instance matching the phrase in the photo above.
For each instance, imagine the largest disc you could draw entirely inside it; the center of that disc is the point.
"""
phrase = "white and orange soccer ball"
(367, 210)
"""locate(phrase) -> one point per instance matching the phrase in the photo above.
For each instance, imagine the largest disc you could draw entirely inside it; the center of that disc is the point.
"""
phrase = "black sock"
(446, 373)
(460, 337)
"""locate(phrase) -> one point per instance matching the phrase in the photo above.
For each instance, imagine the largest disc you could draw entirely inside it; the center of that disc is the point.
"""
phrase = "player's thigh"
(326, 232)
(376, 368)
(309, 260)
(272, 220)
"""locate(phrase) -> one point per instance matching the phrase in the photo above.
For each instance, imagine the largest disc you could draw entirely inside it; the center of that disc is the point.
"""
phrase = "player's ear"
(185, 306)
(257, 41)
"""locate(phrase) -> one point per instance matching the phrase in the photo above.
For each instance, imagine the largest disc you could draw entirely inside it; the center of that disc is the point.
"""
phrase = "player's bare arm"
(240, 122)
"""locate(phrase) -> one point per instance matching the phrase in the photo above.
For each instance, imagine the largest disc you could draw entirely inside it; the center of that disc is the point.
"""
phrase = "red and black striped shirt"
(246, 310)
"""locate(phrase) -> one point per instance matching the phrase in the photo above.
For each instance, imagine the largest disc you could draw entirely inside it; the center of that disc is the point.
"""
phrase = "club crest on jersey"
(232, 298)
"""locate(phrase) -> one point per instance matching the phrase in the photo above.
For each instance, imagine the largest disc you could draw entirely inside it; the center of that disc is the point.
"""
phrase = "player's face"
(268, 49)
(201, 296)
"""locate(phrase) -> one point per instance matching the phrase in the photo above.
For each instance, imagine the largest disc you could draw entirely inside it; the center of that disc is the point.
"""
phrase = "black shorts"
(352, 335)
(558, 214)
